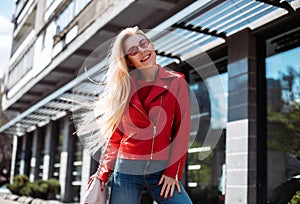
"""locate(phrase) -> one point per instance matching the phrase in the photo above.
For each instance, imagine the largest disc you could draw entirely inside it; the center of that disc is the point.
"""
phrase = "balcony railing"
(20, 6)
(21, 68)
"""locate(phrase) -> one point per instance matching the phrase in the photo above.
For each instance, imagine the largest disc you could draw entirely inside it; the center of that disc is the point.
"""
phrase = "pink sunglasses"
(144, 43)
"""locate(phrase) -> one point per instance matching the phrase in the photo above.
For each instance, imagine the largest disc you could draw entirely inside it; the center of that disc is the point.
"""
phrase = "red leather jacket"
(157, 130)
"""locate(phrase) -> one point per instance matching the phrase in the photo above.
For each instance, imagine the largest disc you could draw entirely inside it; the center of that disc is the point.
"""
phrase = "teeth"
(145, 58)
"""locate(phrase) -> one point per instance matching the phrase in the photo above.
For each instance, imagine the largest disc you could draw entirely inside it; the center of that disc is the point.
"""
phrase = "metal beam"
(83, 52)
(53, 96)
(34, 94)
(63, 72)
(169, 55)
(46, 111)
(287, 41)
(177, 17)
(37, 116)
(279, 3)
(199, 29)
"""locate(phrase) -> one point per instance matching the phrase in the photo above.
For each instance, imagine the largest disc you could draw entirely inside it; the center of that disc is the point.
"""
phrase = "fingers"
(168, 187)
(163, 187)
(161, 180)
(178, 187)
(102, 185)
(167, 192)
(172, 191)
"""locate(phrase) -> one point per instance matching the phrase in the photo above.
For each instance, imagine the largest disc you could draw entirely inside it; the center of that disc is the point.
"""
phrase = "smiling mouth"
(145, 58)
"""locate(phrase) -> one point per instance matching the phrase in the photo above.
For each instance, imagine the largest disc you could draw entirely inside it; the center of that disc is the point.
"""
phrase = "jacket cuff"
(104, 176)
(174, 170)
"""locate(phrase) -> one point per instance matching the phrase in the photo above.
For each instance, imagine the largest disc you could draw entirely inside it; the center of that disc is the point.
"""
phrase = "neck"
(149, 73)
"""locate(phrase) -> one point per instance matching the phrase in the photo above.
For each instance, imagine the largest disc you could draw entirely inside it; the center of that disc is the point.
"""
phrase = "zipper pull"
(154, 130)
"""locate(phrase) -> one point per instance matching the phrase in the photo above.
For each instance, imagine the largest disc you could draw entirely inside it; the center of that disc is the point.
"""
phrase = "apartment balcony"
(51, 46)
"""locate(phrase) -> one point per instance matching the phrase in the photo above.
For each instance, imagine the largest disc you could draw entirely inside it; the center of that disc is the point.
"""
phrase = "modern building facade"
(240, 58)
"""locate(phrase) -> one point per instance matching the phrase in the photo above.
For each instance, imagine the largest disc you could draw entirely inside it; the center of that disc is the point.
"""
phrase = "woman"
(145, 109)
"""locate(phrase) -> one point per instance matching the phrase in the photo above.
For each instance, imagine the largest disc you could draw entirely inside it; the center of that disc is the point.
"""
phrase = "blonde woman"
(145, 112)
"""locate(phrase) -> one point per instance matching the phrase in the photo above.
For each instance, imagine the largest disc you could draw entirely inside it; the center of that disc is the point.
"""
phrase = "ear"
(129, 64)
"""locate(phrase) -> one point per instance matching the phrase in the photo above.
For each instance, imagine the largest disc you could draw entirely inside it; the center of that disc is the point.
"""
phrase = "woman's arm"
(110, 156)
(179, 145)
(181, 132)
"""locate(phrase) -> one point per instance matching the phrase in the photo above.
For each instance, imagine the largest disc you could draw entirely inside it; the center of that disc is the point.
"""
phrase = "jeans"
(128, 189)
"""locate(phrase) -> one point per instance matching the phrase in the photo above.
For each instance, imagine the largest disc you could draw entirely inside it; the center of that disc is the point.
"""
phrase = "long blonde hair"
(95, 122)
(111, 103)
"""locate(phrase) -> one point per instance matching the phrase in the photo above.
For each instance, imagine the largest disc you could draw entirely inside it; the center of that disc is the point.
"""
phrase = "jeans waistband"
(139, 167)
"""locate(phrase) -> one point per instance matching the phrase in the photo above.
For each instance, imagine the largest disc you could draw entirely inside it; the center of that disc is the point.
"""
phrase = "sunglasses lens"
(133, 51)
(144, 43)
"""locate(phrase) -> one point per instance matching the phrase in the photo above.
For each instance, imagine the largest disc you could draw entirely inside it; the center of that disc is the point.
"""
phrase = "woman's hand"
(168, 187)
(102, 185)
(92, 178)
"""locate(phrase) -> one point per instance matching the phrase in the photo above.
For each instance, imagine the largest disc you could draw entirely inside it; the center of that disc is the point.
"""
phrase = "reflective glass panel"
(283, 117)
(206, 155)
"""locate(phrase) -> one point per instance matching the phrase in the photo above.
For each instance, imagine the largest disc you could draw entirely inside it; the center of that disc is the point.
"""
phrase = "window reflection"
(72, 10)
(41, 151)
(77, 158)
(283, 123)
(58, 140)
(205, 160)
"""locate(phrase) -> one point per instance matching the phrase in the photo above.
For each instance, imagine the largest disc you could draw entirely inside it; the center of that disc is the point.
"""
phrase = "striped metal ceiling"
(202, 28)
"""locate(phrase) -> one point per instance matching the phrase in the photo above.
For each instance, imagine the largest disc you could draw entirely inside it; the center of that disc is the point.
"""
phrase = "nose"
(141, 49)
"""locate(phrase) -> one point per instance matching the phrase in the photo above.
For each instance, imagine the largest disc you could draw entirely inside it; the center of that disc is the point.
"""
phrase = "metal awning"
(204, 29)
(197, 28)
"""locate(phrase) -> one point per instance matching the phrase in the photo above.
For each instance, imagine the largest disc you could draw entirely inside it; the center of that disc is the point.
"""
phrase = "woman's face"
(140, 51)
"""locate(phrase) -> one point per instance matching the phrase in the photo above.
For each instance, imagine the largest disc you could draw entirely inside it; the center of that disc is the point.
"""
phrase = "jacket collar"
(158, 88)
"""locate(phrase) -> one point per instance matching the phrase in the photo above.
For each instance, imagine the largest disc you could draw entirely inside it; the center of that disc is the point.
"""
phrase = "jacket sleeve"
(181, 132)
(109, 157)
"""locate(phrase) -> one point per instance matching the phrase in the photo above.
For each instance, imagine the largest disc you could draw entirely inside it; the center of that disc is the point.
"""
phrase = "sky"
(6, 28)
(278, 64)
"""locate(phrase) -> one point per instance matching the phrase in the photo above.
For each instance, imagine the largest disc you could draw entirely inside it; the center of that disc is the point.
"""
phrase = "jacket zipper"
(154, 125)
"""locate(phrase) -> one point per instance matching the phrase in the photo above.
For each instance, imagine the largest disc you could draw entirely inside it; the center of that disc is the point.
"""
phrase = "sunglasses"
(144, 43)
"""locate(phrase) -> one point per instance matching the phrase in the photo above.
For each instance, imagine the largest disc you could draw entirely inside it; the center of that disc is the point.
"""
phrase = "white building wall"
(14, 158)
(43, 49)
(85, 174)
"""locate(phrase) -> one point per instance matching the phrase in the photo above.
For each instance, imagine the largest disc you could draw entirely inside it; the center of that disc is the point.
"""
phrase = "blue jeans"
(128, 189)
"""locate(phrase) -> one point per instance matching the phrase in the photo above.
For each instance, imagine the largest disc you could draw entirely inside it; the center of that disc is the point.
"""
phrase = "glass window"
(41, 151)
(65, 17)
(283, 117)
(79, 5)
(18, 156)
(206, 156)
(77, 166)
(70, 12)
(59, 135)
(20, 5)
(27, 153)
(48, 3)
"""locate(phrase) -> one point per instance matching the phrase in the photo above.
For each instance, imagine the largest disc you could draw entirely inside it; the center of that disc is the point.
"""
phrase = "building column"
(35, 159)
(25, 155)
(85, 172)
(66, 161)
(22, 159)
(48, 159)
(14, 156)
(241, 136)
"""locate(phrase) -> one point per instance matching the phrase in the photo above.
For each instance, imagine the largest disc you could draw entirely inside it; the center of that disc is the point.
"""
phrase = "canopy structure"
(199, 27)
